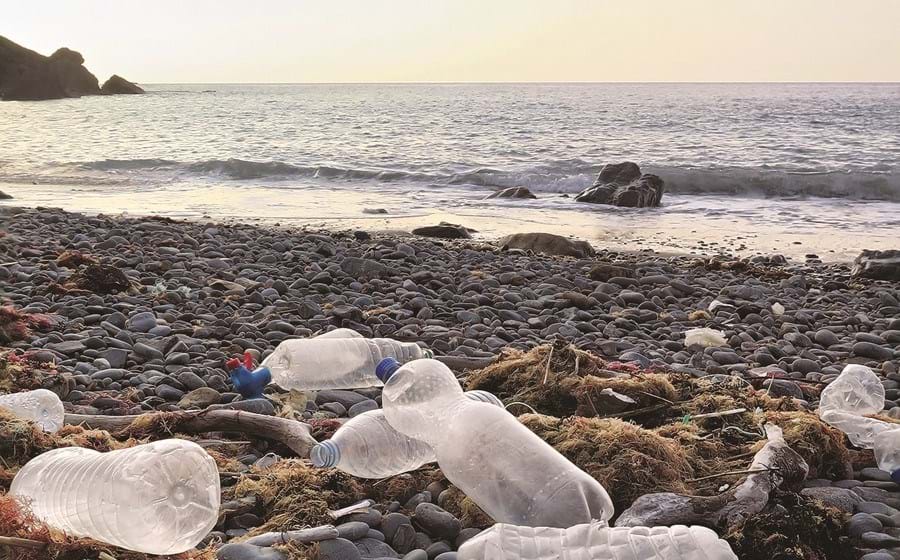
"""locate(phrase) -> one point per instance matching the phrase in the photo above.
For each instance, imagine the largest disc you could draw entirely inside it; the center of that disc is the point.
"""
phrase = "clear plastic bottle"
(340, 333)
(156, 498)
(596, 541)
(311, 364)
(887, 451)
(41, 406)
(860, 430)
(368, 447)
(511, 473)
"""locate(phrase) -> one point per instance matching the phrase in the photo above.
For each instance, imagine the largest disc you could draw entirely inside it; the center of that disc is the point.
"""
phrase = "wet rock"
(547, 243)
(436, 521)
(873, 351)
(116, 85)
(842, 498)
(622, 184)
(199, 398)
(512, 192)
(353, 530)
(863, 523)
(443, 231)
(338, 549)
(877, 265)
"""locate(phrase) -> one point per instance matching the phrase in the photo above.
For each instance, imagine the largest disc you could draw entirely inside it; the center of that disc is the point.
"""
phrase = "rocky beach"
(125, 316)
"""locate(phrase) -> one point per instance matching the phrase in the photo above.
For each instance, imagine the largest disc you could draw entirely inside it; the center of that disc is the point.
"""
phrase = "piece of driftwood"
(302, 536)
(464, 363)
(295, 435)
(773, 466)
(22, 543)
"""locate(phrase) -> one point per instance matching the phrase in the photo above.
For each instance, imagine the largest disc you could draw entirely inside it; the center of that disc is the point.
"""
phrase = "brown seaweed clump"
(620, 455)
(99, 279)
(295, 494)
(792, 527)
(820, 445)
(74, 259)
(469, 514)
(562, 380)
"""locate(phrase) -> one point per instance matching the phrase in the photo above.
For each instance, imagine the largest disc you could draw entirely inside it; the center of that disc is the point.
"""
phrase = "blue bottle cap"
(386, 368)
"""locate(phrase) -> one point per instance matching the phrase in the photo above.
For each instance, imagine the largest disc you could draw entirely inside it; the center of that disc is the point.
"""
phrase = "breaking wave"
(569, 176)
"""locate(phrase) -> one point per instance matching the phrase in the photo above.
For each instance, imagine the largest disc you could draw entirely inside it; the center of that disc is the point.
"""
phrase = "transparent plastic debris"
(313, 364)
(777, 309)
(857, 390)
(511, 473)
(368, 447)
(596, 541)
(846, 401)
(887, 452)
(860, 430)
(41, 406)
(715, 304)
(156, 498)
(340, 333)
(704, 337)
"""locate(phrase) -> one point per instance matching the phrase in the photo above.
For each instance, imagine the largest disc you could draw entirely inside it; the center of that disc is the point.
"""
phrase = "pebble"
(241, 551)
(863, 523)
(352, 530)
(436, 521)
(338, 549)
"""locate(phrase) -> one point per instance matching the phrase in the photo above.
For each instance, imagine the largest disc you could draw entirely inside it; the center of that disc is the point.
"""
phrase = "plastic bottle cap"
(325, 454)
(386, 368)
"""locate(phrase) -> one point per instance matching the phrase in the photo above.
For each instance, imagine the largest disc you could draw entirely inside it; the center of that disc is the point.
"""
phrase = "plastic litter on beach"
(704, 337)
(596, 541)
(158, 498)
(41, 406)
(513, 475)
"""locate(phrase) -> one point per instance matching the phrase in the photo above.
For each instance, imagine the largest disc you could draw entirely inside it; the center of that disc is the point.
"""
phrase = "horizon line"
(551, 82)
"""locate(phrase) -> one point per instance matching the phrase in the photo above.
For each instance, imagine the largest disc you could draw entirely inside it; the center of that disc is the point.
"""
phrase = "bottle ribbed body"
(40, 406)
(157, 498)
(340, 333)
(887, 449)
(511, 473)
(334, 363)
(367, 446)
(596, 541)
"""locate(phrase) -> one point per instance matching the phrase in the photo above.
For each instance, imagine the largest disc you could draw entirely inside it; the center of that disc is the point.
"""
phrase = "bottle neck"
(325, 454)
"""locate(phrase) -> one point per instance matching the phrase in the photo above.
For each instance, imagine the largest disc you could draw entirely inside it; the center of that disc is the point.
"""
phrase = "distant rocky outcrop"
(877, 265)
(512, 192)
(118, 85)
(28, 76)
(4, 196)
(622, 184)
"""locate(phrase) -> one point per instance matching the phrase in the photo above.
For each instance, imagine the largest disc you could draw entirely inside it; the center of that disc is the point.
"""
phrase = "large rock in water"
(28, 76)
(443, 231)
(117, 84)
(877, 265)
(622, 184)
(547, 243)
(512, 192)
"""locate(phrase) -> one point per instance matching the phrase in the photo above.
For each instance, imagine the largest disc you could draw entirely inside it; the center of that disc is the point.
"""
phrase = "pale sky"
(468, 40)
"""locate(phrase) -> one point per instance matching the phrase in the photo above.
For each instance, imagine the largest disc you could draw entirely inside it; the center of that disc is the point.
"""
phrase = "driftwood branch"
(302, 536)
(295, 435)
(773, 465)
(463, 363)
(22, 543)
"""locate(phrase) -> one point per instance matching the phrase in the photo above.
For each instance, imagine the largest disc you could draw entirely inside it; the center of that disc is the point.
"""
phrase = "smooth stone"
(437, 549)
(873, 351)
(346, 398)
(115, 357)
(338, 549)
(243, 551)
(878, 540)
(141, 322)
(371, 548)
(863, 523)
(876, 507)
(362, 406)
(352, 530)
(200, 398)
(417, 554)
(113, 374)
(391, 522)
(446, 556)
(872, 473)
(842, 498)
(435, 521)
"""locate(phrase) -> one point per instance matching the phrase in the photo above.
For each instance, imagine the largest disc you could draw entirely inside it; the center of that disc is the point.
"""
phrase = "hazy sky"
(468, 40)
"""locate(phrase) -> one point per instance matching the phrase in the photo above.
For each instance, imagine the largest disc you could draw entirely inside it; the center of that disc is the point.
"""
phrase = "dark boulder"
(28, 76)
(444, 231)
(512, 192)
(118, 85)
(4, 196)
(877, 265)
(622, 184)
(547, 243)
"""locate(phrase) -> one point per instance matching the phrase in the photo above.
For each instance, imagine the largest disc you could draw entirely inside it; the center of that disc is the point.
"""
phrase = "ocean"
(749, 168)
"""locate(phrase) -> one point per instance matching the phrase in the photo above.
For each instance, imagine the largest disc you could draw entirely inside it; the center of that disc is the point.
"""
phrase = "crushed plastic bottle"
(511, 473)
(887, 452)
(155, 498)
(704, 337)
(368, 447)
(41, 406)
(777, 309)
(596, 541)
(318, 363)
(856, 392)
